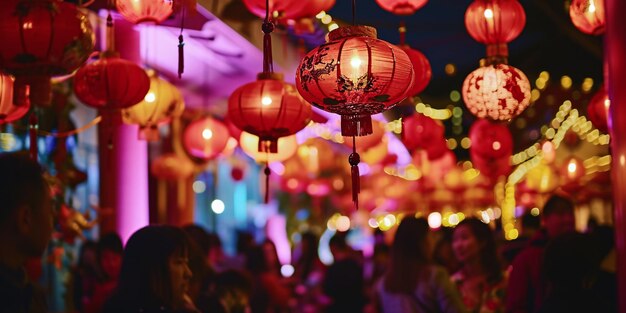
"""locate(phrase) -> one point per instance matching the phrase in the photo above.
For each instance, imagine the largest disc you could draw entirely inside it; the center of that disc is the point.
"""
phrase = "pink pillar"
(123, 158)
(615, 50)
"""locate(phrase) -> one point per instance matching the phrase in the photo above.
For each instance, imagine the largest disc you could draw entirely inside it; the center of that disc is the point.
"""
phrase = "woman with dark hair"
(413, 283)
(269, 295)
(155, 275)
(480, 280)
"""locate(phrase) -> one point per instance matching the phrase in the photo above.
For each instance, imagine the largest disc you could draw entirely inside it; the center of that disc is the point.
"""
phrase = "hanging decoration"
(421, 65)
(420, 132)
(491, 149)
(268, 107)
(495, 23)
(588, 16)
(149, 11)
(9, 112)
(401, 7)
(162, 103)
(286, 145)
(205, 138)
(285, 10)
(375, 77)
(598, 110)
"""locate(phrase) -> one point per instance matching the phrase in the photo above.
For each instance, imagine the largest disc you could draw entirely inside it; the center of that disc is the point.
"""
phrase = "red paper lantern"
(205, 138)
(9, 112)
(491, 140)
(492, 168)
(498, 92)
(588, 16)
(145, 10)
(111, 83)
(40, 39)
(375, 77)
(420, 131)
(495, 23)
(401, 7)
(598, 110)
(279, 9)
(421, 68)
(268, 108)
(172, 167)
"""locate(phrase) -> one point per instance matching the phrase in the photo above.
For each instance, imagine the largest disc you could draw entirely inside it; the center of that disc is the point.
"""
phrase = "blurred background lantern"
(542, 178)
(9, 112)
(237, 173)
(41, 39)
(491, 140)
(205, 138)
(499, 92)
(598, 110)
(401, 7)
(111, 83)
(154, 11)
(162, 103)
(171, 166)
(588, 16)
(286, 145)
(420, 131)
(495, 23)
(283, 10)
(421, 68)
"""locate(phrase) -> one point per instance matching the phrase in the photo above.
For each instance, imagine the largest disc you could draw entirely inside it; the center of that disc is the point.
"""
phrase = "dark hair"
(309, 244)
(408, 255)
(488, 253)
(558, 205)
(144, 281)
(569, 261)
(110, 242)
(21, 183)
(245, 240)
(339, 240)
(256, 262)
(199, 236)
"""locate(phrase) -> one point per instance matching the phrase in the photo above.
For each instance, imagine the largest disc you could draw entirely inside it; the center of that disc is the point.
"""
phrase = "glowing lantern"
(162, 103)
(420, 131)
(138, 11)
(111, 83)
(401, 7)
(421, 67)
(172, 167)
(573, 169)
(542, 178)
(598, 110)
(498, 92)
(41, 39)
(495, 23)
(588, 16)
(268, 108)
(286, 145)
(205, 138)
(278, 9)
(549, 152)
(491, 140)
(9, 112)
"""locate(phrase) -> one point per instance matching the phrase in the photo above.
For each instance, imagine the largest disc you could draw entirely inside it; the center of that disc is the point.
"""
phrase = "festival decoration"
(588, 16)
(492, 146)
(401, 7)
(154, 11)
(9, 112)
(286, 145)
(598, 110)
(205, 138)
(282, 10)
(495, 23)
(421, 65)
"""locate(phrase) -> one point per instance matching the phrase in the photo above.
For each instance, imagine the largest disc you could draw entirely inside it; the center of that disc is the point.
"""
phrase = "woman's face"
(465, 245)
(180, 274)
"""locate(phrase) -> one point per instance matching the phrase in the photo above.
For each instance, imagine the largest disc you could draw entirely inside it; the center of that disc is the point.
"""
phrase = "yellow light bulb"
(265, 101)
(488, 14)
(207, 134)
(150, 97)
(355, 62)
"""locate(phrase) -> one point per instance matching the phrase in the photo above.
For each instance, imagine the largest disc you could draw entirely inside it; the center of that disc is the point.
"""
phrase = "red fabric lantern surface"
(421, 68)
(268, 108)
(111, 83)
(588, 16)
(289, 9)
(495, 23)
(355, 75)
(172, 167)
(498, 92)
(9, 112)
(205, 138)
(420, 131)
(145, 10)
(40, 39)
(490, 167)
(598, 110)
(491, 140)
(401, 7)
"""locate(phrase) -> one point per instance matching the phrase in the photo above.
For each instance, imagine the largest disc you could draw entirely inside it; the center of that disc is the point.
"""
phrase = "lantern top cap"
(270, 75)
(109, 54)
(352, 31)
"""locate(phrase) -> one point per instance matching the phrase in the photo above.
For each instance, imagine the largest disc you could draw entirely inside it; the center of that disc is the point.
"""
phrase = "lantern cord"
(267, 27)
(402, 31)
(181, 45)
(110, 46)
(353, 12)
(354, 160)
(32, 134)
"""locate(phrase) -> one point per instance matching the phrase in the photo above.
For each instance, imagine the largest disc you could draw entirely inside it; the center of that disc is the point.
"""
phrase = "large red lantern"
(145, 10)
(205, 138)
(495, 23)
(588, 16)
(598, 110)
(401, 7)
(498, 92)
(491, 140)
(111, 83)
(9, 112)
(41, 39)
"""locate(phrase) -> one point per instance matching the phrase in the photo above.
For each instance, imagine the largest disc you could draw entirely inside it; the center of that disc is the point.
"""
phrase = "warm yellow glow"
(571, 166)
(321, 14)
(466, 143)
(265, 101)
(450, 69)
(488, 14)
(355, 62)
(566, 82)
(452, 144)
(592, 7)
(342, 223)
(332, 26)
(150, 97)
(587, 84)
(207, 134)
(496, 145)
(327, 19)
(534, 211)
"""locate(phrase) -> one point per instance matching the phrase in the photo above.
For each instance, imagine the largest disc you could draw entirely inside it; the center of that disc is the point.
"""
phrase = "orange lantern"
(172, 167)
(145, 10)
(588, 16)
(205, 138)
(162, 103)
(9, 112)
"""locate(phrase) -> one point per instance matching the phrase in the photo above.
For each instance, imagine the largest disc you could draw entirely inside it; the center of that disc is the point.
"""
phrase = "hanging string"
(354, 160)
(402, 31)
(93, 123)
(110, 34)
(268, 27)
(32, 134)
(181, 45)
(267, 171)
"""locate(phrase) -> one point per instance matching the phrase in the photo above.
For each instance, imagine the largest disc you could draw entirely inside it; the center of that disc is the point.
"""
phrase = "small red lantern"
(490, 167)
(420, 131)
(145, 10)
(495, 23)
(401, 7)
(205, 138)
(40, 39)
(9, 112)
(498, 92)
(111, 83)
(598, 110)
(172, 167)
(588, 16)
(491, 140)
(288, 9)
(421, 67)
